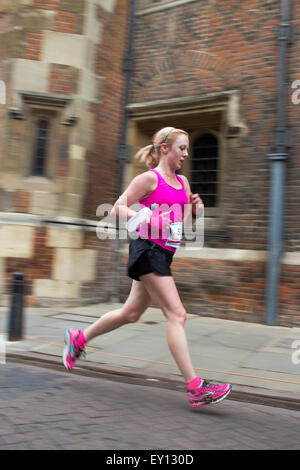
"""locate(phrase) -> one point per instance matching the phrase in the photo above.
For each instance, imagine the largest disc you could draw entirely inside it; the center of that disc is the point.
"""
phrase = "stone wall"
(62, 61)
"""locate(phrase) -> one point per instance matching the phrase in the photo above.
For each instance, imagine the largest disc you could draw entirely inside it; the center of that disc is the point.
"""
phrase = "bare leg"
(164, 292)
(136, 304)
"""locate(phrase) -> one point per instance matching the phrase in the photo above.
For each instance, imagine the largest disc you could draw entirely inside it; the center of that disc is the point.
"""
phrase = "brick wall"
(38, 266)
(103, 159)
(200, 48)
(41, 266)
(239, 39)
(292, 223)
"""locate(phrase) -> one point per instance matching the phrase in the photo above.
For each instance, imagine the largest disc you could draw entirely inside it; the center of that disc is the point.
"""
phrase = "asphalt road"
(48, 409)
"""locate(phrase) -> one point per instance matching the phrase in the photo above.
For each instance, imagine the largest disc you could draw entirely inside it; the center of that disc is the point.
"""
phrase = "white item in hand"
(142, 217)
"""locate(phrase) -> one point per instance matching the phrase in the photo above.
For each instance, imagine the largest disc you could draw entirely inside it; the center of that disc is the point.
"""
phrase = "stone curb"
(241, 393)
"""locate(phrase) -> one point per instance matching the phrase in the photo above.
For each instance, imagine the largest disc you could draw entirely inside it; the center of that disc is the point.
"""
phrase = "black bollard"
(15, 328)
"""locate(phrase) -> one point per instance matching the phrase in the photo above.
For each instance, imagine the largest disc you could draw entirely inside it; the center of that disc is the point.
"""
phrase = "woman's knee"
(131, 315)
(177, 315)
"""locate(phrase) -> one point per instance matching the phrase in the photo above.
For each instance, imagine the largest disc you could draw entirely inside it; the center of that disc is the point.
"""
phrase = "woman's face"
(178, 151)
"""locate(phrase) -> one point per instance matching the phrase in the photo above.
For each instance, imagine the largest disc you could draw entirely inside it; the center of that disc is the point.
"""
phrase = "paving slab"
(245, 354)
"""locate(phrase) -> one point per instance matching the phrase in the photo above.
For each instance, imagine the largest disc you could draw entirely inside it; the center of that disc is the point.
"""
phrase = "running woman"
(150, 257)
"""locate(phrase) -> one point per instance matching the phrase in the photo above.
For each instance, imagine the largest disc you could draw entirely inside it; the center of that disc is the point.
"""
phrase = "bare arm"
(139, 187)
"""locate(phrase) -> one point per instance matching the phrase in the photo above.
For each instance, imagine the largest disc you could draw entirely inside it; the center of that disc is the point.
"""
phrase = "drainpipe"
(124, 150)
(278, 161)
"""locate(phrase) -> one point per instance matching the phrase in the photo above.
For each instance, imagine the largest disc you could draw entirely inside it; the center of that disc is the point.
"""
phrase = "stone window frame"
(175, 112)
(37, 106)
(217, 135)
(151, 6)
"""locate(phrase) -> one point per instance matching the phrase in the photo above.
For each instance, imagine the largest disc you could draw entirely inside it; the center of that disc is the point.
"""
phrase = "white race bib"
(175, 235)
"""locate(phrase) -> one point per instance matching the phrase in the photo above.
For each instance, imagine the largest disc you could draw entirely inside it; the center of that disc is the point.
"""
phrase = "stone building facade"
(209, 67)
(62, 64)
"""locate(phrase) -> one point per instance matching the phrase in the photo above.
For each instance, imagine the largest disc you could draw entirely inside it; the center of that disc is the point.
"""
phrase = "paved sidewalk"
(258, 359)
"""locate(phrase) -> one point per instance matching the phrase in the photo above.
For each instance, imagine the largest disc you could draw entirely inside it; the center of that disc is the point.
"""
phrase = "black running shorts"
(147, 257)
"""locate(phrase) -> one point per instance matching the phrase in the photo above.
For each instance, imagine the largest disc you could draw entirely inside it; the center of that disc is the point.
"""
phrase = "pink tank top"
(167, 198)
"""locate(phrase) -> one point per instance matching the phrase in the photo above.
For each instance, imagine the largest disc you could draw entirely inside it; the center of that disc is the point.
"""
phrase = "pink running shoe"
(208, 393)
(75, 342)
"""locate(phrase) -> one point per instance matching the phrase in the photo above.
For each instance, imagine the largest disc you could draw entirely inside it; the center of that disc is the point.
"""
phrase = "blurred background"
(88, 82)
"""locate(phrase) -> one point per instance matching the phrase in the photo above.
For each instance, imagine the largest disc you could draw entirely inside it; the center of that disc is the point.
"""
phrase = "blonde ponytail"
(148, 156)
